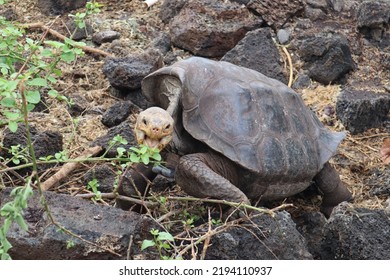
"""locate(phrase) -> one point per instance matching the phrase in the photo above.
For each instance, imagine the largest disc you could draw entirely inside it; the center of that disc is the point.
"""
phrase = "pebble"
(283, 36)
(105, 36)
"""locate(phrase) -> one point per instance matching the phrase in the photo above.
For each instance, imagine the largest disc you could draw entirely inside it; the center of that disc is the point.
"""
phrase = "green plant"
(93, 185)
(145, 154)
(160, 241)
(13, 212)
(189, 219)
(91, 8)
(27, 66)
(19, 154)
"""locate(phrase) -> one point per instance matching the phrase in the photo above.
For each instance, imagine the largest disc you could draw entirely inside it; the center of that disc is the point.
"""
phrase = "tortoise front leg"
(333, 189)
(207, 175)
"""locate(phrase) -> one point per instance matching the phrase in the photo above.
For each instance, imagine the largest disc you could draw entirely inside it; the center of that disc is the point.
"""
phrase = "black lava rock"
(360, 110)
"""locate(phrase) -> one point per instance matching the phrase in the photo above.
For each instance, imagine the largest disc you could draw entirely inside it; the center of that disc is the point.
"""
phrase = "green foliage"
(25, 64)
(19, 154)
(189, 219)
(160, 241)
(69, 244)
(144, 154)
(13, 212)
(93, 185)
(91, 8)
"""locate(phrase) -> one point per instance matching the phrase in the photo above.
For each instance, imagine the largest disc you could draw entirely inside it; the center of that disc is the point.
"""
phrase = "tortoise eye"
(168, 126)
(144, 121)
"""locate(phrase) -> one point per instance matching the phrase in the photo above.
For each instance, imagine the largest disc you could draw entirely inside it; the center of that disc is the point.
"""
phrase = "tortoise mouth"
(152, 143)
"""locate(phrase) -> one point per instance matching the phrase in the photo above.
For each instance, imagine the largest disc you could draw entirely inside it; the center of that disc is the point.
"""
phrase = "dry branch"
(67, 168)
(63, 38)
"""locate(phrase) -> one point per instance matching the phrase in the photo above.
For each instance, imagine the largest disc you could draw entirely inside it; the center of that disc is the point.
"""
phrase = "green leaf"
(30, 107)
(52, 79)
(33, 96)
(12, 85)
(12, 116)
(52, 93)
(120, 151)
(156, 156)
(145, 159)
(46, 52)
(147, 243)
(135, 150)
(166, 246)
(54, 44)
(165, 236)
(134, 158)
(143, 149)
(40, 82)
(9, 102)
(68, 56)
(13, 126)
(21, 222)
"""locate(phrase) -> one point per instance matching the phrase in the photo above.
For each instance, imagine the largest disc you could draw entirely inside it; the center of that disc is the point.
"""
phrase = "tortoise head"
(154, 128)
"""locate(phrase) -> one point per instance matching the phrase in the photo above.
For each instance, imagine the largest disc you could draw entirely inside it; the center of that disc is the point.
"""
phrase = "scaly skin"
(154, 128)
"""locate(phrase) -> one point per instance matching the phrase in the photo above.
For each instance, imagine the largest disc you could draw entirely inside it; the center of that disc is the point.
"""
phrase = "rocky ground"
(336, 54)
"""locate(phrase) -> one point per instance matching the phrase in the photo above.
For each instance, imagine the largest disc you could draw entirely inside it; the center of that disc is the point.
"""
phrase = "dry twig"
(63, 38)
(67, 168)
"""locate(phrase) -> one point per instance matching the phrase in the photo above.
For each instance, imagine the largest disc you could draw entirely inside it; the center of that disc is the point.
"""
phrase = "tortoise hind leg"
(209, 175)
(333, 189)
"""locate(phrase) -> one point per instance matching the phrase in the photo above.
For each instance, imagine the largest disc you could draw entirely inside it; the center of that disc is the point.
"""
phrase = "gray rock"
(45, 144)
(211, 28)
(373, 18)
(123, 130)
(379, 182)
(326, 56)
(126, 73)
(135, 96)
(314, 14)
(302, 81)
(360, 110)
(311, 225)
(170, 8)
(60, 7)
(107, 226)
(356, 234)
(264, 239)
(283, 36)
(79, 105)
(105, 36)
(276, 13)
(117, 113)
(258, 52)
(104, 175)
(318, 4)
(161, 42)
(348, 8)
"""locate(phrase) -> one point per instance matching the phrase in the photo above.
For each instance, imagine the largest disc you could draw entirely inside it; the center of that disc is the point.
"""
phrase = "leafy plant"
(93, 185)
(25, 64)
(144, 154)
(160, 241)
(91, 8)
(13, 212)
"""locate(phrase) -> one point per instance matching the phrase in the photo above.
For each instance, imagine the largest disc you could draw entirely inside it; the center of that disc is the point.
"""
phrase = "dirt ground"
(358, 159)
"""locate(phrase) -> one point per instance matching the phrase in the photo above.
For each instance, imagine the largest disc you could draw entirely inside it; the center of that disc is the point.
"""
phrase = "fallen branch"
(290, 65)
(67, 168)
(63, 38)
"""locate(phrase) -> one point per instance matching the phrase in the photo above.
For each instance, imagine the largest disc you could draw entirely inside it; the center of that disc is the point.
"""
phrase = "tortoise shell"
(255, 121)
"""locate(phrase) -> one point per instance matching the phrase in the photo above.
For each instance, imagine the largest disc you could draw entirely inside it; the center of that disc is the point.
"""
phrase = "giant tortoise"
(241, 135)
